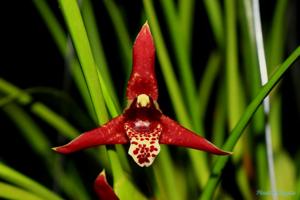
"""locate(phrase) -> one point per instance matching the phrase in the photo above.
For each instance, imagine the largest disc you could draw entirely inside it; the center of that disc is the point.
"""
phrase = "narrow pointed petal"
(103, 190)
(174, 134)
(111, 133)
(144, 144)
(142, 79)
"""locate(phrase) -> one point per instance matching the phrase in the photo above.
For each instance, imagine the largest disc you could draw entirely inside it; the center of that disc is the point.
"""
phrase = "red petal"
(174, 134)
(142, 79)
(111, 133)
(103, 189)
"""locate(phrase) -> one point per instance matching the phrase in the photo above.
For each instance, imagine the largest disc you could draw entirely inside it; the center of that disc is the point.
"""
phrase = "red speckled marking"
(144, 142)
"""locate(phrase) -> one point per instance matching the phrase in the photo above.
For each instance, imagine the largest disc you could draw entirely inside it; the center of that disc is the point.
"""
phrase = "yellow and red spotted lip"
(142, 124)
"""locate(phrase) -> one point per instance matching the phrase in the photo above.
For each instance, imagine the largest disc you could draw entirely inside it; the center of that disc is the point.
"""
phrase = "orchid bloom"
(142, 123)
(103, 189)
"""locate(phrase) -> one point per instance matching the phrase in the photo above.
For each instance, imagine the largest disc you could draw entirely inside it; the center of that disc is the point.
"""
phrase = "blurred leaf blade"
(184, 65)
(57, 121)
(8, 191)
(97, 49)
(19, 179)
(241, 125)
(121, 31)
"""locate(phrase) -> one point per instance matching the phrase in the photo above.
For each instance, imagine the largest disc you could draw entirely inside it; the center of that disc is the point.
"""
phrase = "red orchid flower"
(103, 189)
(142, 124)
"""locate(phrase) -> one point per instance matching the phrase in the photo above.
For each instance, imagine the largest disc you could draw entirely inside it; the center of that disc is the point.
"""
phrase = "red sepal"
(112, 132)
(174, 134)
(103, 190)
(142, 79)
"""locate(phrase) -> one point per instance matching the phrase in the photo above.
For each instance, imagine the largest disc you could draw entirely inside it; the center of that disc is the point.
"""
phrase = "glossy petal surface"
(103, 190)
(111, 133)
(142, 79)
(174, 134)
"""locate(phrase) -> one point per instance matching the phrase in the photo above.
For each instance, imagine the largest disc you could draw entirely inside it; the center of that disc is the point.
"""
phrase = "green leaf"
(10, 175)
(286, 184)
(182, 58)
(242, 123)
(78, 33)
(97, 49)
(118, 21)
(123, 186)
(41, 110)
(8, 191)
(215, 18)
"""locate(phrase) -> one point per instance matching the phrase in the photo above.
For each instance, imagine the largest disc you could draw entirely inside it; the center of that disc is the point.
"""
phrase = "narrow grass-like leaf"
(122, 33)
(66, 50)
(287, 183)
(81, 83)
(275, 46)
(219, 123)
(165, 170)
(234, 92)
(253, 81)
(123, 186)
(77, 30)
(277, 36)
(40, 109)
(113, 109)
(243, 182)
(186, 12)
(56, 30)
(97, 48)
(215, 17)
(32, 133)
(266, 103)
(10, 175)
(103, 74)
(160, 189)
(69, 180)
(242, 123)
(54, 119)
(182, 58)
(40, 144)
(8, 191)
(206, 84)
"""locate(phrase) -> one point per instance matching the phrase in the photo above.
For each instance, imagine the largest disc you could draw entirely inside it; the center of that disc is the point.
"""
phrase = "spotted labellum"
(142, 123)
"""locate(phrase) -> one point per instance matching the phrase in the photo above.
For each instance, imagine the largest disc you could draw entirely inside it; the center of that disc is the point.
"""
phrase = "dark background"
(29, 59)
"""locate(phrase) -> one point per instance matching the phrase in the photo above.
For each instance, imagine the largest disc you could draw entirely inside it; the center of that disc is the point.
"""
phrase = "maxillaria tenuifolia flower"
(142, 123)
(103, 189)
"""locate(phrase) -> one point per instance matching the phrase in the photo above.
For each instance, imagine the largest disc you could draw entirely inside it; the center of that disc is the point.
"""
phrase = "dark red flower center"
(143, 130)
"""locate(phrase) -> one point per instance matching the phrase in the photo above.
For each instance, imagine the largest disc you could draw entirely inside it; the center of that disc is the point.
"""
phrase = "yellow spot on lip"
(143, 100)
